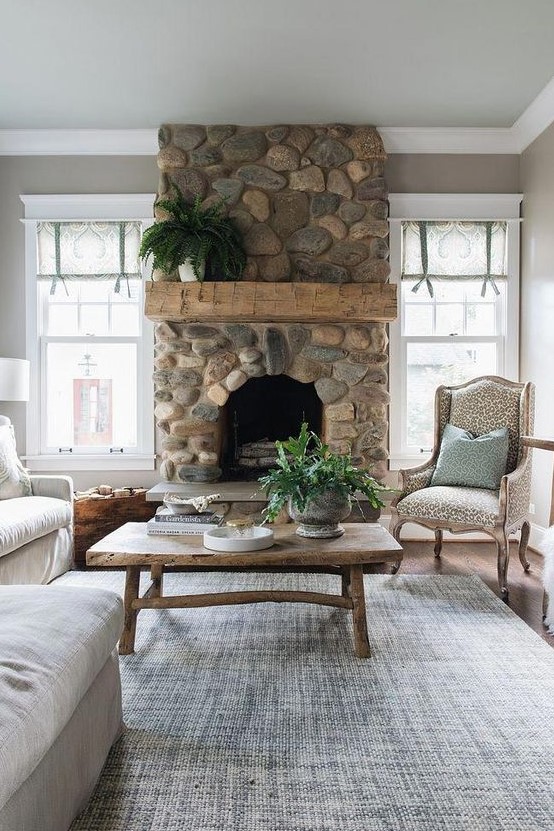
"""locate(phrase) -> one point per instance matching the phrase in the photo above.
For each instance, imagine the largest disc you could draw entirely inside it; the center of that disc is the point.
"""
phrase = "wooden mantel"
(271, 302)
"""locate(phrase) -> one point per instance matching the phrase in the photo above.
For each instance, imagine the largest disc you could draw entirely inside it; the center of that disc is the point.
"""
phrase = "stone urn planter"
(316, 485)
(322, 514)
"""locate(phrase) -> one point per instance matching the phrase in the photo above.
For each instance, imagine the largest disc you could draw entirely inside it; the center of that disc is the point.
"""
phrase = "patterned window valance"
(454, 250)
(88, 250)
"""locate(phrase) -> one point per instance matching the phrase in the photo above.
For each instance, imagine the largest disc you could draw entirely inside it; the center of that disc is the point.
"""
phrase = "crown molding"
(497, 140)
(536, 118)
(78, 142)
(145, 143)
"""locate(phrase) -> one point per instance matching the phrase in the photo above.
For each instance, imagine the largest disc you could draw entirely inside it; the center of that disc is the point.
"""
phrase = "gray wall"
(451, 173)
(42, 175)
(138, 174)
(537, 302)
(55, 174)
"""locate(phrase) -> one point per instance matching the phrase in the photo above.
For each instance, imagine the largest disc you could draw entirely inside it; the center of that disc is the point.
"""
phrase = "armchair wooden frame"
(513, 497)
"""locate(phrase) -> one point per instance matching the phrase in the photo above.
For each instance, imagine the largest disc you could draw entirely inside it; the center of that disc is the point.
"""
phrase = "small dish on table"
(227, 539)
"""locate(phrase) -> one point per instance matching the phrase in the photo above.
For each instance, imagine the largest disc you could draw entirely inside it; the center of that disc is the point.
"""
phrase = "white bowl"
(227, 539)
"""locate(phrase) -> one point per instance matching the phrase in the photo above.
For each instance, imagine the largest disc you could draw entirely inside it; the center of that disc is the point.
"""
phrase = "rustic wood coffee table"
(132, 548)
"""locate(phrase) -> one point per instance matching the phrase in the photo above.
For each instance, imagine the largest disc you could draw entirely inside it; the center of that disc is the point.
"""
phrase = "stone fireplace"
(302, 336)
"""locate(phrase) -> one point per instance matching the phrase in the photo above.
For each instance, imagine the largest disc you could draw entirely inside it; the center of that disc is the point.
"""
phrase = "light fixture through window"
(87, 365)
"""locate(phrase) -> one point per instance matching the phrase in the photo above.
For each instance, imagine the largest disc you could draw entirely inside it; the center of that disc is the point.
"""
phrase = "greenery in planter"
(203, 236)
(307, 468)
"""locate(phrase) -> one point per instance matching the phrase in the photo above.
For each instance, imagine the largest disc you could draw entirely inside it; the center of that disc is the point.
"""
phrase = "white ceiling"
(123, 64)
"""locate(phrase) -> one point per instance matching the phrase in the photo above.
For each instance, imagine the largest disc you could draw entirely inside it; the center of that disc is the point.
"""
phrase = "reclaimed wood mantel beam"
(271, 302)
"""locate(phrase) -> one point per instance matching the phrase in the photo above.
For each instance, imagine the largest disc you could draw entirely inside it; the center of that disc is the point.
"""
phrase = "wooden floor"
(480, 558)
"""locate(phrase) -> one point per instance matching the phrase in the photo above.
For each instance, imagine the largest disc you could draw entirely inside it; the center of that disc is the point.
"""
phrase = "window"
(91, 349)
(456, 261)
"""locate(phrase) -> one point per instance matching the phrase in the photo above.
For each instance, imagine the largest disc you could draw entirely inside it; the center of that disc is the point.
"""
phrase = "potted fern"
(316, 485)
(193, 240)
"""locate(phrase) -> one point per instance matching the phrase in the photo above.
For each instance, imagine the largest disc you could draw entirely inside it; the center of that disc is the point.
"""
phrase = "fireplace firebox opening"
(261, 412)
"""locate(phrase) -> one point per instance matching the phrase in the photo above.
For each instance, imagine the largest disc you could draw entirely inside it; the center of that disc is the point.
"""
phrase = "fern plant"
(206, 237)
(307, 468)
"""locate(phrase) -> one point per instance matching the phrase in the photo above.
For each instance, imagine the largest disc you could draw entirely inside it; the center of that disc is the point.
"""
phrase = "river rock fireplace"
(302, 336)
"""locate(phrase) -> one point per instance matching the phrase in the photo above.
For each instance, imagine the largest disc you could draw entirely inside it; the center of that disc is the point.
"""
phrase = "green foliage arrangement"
(204, 236)
(306, 468)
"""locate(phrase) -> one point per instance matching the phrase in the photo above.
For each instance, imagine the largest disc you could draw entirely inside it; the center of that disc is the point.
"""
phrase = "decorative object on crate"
(100, 510)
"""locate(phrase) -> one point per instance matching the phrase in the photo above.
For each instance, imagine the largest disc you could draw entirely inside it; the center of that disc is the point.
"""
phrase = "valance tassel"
(57, 248)
(489, 281)
(427, 282)
(488, 277)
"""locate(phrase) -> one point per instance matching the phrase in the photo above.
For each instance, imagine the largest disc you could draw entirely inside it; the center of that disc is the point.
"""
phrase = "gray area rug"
(260, 718)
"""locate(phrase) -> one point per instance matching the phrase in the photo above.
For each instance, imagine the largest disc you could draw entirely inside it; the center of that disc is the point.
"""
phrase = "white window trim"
(448, 206)
(86, 207)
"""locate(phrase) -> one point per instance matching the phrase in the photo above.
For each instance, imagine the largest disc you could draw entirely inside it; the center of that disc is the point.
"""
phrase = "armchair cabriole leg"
(438, 542)
(503, 551)
(524, 539)
(394, 529)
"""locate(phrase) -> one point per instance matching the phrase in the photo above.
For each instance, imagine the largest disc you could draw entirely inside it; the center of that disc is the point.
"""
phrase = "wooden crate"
(95, 517)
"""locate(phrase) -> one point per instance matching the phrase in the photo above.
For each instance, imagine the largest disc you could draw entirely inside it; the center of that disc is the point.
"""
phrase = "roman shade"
(453, 250)
(88, 250)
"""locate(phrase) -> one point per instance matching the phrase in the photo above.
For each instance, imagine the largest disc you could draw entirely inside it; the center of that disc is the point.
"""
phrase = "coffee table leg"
(157, 577)
(132, 581)
(346, 581)
(359, 620)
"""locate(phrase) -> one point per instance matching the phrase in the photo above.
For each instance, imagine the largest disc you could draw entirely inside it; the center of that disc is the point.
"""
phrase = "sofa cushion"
(14, 479)
(30, 517)
(54, 640)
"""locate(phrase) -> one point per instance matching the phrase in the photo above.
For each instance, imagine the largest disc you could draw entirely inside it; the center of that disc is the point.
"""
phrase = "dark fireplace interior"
(260, 412)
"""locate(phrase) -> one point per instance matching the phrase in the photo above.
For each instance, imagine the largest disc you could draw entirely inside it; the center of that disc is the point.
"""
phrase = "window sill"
(69, 462)
(399, 462)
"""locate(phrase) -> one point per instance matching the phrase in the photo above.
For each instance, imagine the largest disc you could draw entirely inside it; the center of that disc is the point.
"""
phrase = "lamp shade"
(14, 379)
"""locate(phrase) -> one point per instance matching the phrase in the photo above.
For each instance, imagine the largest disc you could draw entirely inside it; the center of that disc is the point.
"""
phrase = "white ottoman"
(60, 700)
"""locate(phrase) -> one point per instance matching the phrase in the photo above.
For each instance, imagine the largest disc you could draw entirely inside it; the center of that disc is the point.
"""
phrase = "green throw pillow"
(471, 461)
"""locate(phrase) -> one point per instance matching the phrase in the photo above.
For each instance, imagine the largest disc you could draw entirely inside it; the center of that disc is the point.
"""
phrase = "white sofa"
(36, 530)
(60, 690)
(60, 700)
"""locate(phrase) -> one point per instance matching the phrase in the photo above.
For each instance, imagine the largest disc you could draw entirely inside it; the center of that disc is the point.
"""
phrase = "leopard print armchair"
(479, 406)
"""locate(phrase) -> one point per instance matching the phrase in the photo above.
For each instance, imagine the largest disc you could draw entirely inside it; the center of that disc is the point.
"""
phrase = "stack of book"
(166, 522)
